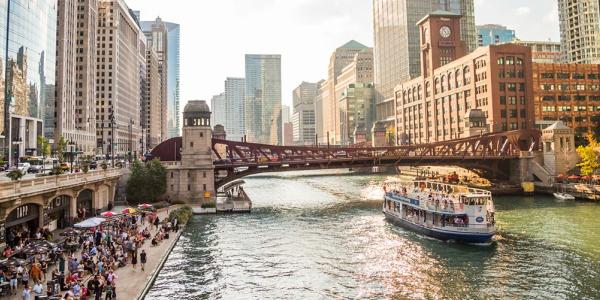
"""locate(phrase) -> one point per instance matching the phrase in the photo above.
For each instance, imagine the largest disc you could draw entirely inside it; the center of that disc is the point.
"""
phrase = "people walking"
(143, 259)
(134, 260)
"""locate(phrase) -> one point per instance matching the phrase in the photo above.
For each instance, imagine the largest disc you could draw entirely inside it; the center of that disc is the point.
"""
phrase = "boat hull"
(470, 238)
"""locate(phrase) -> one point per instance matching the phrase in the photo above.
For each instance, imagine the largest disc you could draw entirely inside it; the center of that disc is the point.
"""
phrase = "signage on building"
(206, 195)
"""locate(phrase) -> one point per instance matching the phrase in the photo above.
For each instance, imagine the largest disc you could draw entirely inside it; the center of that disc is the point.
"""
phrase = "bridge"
(490, 155)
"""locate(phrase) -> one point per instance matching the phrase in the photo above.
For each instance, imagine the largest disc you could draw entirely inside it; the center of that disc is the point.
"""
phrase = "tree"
(589, 156)
(44, 146)
(60, 149)
(146, 182)
(15, 175)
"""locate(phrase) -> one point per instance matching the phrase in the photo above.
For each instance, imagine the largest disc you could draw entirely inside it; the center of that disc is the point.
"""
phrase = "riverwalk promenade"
(131, 283)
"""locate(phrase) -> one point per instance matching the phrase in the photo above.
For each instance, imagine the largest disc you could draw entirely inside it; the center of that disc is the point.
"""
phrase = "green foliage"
(104, 166)
(43, 146)
(58, 170)
(182, 214)
(589, 156)
(146, 182)
(85, 164)
(15, 175)
(61, 147)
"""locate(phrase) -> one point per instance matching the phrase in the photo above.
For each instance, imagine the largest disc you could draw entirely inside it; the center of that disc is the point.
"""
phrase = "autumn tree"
(589, 156)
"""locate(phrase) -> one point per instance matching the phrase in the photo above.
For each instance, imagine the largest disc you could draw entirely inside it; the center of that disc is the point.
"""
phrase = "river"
(312, 236)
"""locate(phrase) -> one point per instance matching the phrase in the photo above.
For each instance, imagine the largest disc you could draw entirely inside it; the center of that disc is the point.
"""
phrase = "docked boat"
(442, 211)
(563, 196)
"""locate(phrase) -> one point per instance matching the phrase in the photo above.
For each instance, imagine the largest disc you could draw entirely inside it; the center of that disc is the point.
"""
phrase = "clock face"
(445, 31)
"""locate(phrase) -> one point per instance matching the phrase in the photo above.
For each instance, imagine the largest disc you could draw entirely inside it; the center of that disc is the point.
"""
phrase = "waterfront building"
(157, 38)
(397, 52)
(235, 108)
(303, 117)
(488, 90)
(579, 30)
(75, 106)
(543, 52)
(152, 108)
(218, 105)
(319, 110)
(120, 75)
(164, 37)
(569, 93)
(263, 99)
(27, 75)
(357, 111)
(350, 63)
(494, 34)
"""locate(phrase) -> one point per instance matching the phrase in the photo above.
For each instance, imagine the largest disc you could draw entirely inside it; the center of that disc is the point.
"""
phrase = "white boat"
(443, 211)
(563, 196)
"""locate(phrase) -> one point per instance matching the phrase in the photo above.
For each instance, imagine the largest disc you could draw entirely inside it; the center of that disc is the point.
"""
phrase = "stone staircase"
(542, 173)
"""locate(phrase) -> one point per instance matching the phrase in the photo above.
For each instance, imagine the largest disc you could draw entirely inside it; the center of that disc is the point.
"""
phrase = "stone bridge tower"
(196, 184)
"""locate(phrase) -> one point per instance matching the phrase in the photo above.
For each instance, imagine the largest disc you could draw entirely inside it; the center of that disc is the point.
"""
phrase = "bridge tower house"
(559, 148)
(196, 175)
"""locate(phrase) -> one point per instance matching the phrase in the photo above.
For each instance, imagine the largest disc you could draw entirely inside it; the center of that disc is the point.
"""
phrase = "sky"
(215, 35)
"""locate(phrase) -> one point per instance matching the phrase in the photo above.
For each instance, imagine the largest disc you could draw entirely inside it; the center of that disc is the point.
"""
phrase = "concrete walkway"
(131, 283)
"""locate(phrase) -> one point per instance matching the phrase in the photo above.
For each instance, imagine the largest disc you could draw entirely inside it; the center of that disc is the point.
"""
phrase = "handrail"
(12, 188)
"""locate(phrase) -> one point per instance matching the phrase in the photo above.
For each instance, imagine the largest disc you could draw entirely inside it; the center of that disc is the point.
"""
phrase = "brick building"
(567, 92)
(459, 94)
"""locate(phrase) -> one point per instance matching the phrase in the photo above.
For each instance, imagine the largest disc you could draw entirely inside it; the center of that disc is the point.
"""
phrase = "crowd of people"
(86, 260)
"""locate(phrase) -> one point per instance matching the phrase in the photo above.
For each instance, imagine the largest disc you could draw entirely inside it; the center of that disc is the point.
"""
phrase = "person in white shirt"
(38, 289)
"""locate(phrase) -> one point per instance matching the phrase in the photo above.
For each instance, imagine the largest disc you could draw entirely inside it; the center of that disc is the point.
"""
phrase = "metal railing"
(11, 189)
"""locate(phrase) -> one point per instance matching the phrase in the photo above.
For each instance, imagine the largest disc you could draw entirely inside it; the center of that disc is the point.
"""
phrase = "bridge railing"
(35, 185)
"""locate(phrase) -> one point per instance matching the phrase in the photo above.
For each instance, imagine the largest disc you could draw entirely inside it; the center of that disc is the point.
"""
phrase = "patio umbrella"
(586, 178)
(129, 210)
(596, 177)
(70, 232)
(145, 206)
(91, 222)
(109, 214)
(573, 177)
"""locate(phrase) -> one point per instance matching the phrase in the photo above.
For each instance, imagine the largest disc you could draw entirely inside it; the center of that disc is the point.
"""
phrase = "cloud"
(523, 10)
(552, 16)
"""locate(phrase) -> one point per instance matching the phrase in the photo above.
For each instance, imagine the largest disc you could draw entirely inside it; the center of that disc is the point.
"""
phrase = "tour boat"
(563, 196)
(442, 211)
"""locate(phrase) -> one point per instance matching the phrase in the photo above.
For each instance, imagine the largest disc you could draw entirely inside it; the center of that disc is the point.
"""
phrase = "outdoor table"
(4, 288)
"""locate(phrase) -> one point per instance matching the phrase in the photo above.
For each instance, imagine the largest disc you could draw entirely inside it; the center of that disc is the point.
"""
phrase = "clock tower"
(440, 40)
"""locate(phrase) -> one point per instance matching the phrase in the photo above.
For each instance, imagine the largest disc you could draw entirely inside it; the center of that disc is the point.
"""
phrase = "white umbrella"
(91, 222)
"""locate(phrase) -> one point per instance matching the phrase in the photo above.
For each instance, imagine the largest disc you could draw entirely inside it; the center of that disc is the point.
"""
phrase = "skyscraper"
(303, 117)
(157, 38)
(396, 33)
(235, 112)
(579, 30)
(121, 73)
(75, 74)
(218, 107)
(263, 98)
(494, 34)
(152, 108)
(27, 74)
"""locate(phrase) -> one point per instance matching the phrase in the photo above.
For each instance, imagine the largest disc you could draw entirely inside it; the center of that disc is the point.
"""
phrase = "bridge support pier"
(520, 169)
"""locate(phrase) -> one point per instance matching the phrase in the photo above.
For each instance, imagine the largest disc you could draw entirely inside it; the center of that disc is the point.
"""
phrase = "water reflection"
(313, 237)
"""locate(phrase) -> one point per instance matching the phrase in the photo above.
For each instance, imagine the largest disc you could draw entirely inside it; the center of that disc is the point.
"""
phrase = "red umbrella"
(586, 178)
(108, 214)
(145, 206)
(128, 210)
(596, 177)
(573, 177)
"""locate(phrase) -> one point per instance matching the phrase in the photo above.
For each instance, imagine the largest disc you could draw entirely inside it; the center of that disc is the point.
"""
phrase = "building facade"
(580, 30)
(120, 75)
(152, 109)
(397, 53)
(494, 34)
(218, 105)
(357, 111)
(349, 63)
(569, 93)
(263, 99)
(303, 116)
(543, 52)
(157, 39)
(488, 90)
(75, 114)
(235, 108)
(27, 75)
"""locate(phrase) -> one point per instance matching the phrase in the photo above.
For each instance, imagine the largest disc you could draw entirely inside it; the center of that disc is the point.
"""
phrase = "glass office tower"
(28, 62)
(263, 99)
(173, 120)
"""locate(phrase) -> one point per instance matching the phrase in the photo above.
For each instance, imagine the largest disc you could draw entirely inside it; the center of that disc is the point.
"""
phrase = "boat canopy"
(232, 184)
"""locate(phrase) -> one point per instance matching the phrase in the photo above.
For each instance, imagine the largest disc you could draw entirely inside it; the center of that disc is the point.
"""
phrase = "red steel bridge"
(490, 155)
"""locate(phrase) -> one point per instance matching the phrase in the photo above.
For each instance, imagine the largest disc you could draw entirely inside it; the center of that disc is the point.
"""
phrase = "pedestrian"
(38, 289)
(143, 259)
(25, 277)
(134, 259)
(156, 222)
(26, 293)
(97, 286)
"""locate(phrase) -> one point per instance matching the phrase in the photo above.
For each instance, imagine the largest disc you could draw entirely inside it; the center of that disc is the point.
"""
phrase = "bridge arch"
(84, 204)
(22, 222)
